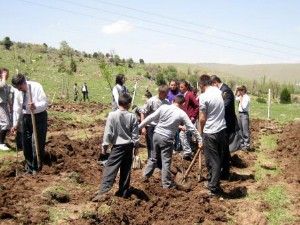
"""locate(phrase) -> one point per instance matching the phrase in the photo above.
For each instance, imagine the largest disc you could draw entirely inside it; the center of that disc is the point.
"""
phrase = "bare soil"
(73, 165)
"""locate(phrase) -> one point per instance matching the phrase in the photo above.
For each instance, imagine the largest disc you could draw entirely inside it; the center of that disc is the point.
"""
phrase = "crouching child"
(121, 131)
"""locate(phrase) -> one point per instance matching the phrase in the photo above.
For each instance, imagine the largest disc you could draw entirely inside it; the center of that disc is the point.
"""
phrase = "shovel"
(181, 179)
(34, 131)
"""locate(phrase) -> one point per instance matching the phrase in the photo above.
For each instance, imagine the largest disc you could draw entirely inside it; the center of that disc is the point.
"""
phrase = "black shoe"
(216, 192)
(225, 176)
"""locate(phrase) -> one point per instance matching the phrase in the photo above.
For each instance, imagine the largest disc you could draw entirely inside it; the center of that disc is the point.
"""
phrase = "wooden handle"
(34, 130)
(192, 163)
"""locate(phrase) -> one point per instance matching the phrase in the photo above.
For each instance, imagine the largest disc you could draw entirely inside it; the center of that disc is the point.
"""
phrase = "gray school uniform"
(151, 106)
(168, 118)
(121, 131)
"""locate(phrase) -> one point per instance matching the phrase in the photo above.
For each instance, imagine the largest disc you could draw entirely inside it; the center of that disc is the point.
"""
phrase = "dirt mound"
(288, 152)
(75, 107)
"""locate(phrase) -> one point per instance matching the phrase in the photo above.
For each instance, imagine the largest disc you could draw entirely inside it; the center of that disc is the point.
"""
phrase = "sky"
(188, 31)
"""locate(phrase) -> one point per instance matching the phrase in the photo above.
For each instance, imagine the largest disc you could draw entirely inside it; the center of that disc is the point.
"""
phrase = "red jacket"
(191, 105)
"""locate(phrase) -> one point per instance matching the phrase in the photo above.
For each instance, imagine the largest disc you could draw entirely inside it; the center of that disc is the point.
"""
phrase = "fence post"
(269, 103)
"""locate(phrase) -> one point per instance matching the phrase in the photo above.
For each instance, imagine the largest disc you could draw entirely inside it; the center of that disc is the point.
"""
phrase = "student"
(243, 118)
(121, 131)
(150, 107)
(85, 92)
(168, 119)
(76, 92)
(38, 106)
(173, 91)
(5, 106)
(191, 107)
(230, 119)
(213, 127)
(118, 89)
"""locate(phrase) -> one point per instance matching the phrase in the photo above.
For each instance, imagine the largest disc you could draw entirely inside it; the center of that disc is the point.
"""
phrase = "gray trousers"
(163, 148)
(243, 120)
(119, 158)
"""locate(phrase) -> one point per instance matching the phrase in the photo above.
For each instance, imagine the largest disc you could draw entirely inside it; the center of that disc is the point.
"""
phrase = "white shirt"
(244, 104)
(38, 98)
(212, 104)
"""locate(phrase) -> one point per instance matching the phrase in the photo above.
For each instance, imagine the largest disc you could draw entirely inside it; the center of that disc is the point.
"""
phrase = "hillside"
(284, 73)
(50, 67)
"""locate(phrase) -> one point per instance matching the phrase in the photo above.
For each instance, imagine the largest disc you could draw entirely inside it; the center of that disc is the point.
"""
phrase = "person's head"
(4, 71)
(163, 91)
(184, 86)
(125, 101)
(179, 100)
(242, 90)
(215, 80)
(75, 84)
(120, 79)
(204, 82)
(148, 94)
(19, 82)
(173, 85)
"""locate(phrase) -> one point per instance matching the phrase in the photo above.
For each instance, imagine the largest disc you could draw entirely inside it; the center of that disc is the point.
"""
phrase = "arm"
(116, 95)
(193, 101)
(108, 132)
(17, 109)
(202, 120)
(202, 113)
(135, 132)
(153, 117)
(228, 97)
(192, 128)
(41, 100)
(244, 102)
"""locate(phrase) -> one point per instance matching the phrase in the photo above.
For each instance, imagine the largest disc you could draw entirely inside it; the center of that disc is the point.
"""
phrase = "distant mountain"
(284, 73)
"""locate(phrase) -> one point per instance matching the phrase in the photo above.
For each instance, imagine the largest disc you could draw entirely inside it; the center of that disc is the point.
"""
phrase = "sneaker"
(3, 147)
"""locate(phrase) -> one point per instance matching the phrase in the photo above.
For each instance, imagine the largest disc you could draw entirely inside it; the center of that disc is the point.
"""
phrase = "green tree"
(65, 49)
(285, 96)
(73, 66)
(160, 79)
(7, 43)
(142, 61)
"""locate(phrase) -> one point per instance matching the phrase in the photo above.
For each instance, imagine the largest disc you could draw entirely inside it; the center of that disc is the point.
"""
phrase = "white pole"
(269, 103)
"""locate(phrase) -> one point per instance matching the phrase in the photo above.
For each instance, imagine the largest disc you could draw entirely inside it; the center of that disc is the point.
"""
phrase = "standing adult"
(230, 119)
(76, 92)
(191, 107)
(173, 90)
(118, 89)
(85, 92)
(150, 107)
(5, 103)
(213, 127)
(38, 106)
(243, 118)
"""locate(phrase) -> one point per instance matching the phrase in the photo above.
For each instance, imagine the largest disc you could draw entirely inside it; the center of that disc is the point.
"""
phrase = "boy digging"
(121, 131)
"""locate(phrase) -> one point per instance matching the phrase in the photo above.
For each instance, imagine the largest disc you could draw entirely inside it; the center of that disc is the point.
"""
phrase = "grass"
(282, 113)
(58, 215)
(278, 201)
(268, 143)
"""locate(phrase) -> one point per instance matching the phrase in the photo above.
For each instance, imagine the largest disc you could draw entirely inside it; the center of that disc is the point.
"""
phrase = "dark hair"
(125, 100)
(215, 78)
(204, 80)
(4, 69)
(173, 80)
(163, 89)
(148, 94)
(119, 79)
(18, 79)
(242, 88)
(179, 99)
(75, 84)
(186, 83)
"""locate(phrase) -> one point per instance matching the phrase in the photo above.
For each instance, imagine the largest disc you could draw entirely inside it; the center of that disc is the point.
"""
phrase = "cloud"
(120, 26)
